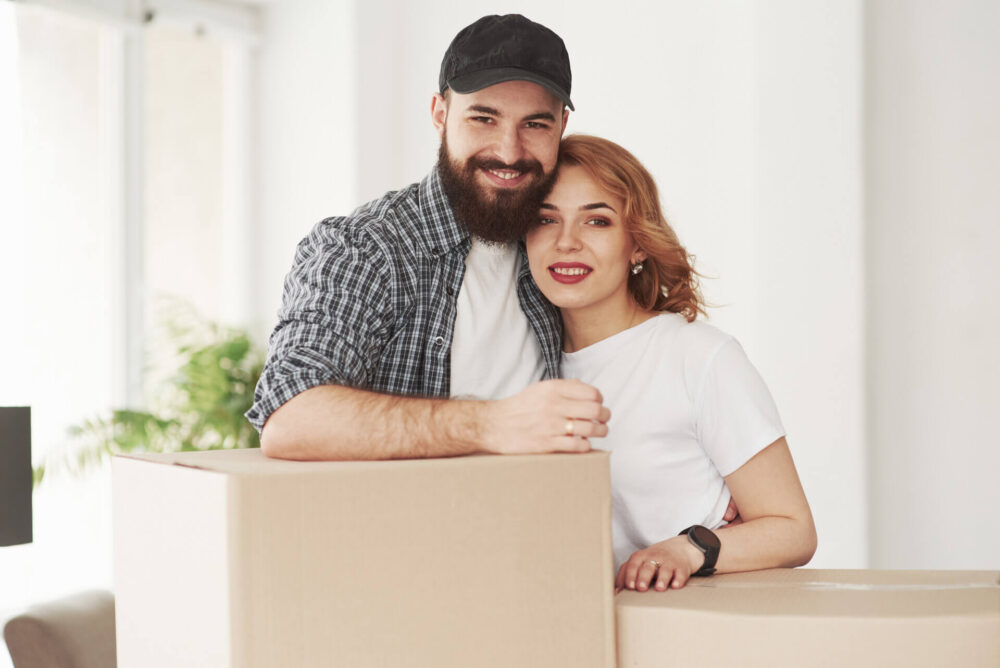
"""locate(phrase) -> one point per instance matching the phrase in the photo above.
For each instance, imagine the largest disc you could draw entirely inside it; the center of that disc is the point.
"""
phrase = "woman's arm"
(777, 529)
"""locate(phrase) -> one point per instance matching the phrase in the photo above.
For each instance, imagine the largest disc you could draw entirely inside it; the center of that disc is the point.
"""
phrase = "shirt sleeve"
(736, 415)
(334, 319)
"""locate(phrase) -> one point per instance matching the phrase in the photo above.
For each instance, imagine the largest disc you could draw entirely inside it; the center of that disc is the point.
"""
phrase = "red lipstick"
(574, 267)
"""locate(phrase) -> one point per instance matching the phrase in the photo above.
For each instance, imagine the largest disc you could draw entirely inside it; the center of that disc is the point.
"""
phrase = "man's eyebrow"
(541, 116)
(597, 205)
(490, 111)
(483, 110)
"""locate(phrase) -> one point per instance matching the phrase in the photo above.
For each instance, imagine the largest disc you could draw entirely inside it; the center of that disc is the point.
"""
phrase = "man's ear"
(439, 113)
(565, 118)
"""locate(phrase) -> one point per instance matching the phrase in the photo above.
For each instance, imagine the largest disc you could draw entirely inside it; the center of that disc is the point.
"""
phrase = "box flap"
(832, 593)
(251, 461)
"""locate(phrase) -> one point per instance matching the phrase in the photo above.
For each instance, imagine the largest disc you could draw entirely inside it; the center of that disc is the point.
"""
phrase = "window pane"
(57, 266)
(183, 88)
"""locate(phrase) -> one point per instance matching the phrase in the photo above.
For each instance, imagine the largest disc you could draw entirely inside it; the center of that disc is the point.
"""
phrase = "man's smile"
(505, 178)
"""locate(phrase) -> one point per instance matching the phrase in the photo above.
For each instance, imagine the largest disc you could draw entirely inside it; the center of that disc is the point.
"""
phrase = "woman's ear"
(638, 256)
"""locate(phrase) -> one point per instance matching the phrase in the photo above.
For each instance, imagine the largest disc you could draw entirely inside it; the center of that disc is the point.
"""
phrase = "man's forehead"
(511, 96)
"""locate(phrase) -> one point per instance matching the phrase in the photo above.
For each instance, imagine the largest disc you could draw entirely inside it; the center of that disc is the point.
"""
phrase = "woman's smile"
(569, 272)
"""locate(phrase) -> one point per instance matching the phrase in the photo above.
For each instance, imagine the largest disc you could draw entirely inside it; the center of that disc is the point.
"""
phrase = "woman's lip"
(574, 277)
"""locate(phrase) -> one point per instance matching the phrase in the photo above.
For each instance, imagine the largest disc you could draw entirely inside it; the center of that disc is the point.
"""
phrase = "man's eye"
(535, 125)
(482, 119)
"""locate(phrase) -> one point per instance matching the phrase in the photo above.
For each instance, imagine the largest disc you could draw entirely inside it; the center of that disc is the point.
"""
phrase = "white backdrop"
(756, 120)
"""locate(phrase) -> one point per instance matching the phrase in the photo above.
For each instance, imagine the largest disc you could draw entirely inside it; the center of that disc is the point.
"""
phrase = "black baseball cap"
(506, 48)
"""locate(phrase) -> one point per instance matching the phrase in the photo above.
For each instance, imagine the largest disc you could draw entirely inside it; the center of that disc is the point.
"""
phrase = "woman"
(693, 424)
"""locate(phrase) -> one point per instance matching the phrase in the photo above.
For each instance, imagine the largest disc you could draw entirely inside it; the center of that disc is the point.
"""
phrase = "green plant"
(199, 405)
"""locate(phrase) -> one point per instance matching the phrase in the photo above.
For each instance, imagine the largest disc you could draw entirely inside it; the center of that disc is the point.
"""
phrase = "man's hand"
(548, 416)
(668, 564)
(732, 514)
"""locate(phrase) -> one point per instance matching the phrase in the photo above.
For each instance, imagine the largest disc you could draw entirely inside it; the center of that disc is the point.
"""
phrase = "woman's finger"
(663, 578)
(681, 576)
(647, 572)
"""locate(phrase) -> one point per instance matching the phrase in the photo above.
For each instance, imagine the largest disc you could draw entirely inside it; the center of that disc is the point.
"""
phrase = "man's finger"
(585, 410)
(571, 388)
(587, 428)
(572, 444)
(731, 511)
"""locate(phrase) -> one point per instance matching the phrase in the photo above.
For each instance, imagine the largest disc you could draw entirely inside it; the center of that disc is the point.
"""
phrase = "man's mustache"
(526, 166)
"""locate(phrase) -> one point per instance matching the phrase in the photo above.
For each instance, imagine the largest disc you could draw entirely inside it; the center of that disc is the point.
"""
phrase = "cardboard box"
(810, 617)
(231, 559)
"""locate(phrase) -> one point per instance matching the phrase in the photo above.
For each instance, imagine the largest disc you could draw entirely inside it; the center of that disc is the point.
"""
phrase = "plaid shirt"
(370, 303)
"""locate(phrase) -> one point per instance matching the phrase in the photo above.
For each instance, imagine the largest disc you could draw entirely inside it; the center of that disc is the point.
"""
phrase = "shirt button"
(435, 250)
(439, 341)
(451, 290)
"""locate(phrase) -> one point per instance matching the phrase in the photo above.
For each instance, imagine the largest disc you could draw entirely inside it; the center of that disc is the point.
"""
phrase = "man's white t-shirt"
(687, 409)
(494, 351)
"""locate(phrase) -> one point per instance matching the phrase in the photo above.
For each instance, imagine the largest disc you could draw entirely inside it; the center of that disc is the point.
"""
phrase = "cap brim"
(470, 83)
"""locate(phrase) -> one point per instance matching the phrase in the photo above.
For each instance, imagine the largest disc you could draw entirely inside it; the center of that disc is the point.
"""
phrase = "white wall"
(307, 68)
(933, 137)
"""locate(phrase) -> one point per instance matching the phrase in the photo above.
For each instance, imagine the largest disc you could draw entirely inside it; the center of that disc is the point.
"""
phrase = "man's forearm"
(331, 422)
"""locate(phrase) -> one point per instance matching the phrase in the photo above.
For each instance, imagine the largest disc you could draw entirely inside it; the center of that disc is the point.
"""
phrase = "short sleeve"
(736, 415)
(333, 322)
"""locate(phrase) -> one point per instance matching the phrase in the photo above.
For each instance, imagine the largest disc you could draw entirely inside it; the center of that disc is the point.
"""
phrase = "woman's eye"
(545, 221)
(598, 222)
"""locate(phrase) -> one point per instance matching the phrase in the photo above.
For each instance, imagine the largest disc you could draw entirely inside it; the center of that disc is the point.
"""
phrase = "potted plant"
(198, 404)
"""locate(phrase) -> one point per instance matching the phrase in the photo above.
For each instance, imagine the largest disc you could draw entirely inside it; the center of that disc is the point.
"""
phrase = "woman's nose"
(568, 238)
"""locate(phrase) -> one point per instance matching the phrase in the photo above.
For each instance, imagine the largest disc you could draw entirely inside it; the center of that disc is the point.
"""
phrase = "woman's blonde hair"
(668, 281)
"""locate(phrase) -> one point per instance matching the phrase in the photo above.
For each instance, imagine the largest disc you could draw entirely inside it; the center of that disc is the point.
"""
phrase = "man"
(425, 293)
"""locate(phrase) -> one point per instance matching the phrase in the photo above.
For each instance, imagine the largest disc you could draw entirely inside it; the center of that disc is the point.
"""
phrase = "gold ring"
(569, 427)
(655, 563)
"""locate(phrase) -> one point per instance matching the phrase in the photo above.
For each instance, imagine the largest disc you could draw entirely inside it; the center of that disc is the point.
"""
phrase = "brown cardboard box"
(807, 617)
(231, 559)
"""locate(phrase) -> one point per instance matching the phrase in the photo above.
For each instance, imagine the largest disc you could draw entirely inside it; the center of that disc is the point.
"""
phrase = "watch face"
(705, 538)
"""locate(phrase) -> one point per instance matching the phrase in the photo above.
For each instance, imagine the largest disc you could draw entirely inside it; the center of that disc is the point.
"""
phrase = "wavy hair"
(668, 281)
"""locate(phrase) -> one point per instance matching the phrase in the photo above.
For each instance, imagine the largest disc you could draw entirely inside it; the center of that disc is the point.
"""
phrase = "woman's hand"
(667, 564)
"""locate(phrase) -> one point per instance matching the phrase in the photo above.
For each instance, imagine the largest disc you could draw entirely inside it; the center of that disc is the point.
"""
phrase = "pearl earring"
(636, 268)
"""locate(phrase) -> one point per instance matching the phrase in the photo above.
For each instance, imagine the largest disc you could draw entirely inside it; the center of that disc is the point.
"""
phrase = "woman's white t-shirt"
(687, 409)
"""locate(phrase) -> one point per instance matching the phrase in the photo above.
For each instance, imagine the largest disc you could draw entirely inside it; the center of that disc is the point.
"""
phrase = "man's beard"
(493, 214)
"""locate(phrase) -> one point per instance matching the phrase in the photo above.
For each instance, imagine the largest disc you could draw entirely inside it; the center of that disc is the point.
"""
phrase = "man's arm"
(331, 422)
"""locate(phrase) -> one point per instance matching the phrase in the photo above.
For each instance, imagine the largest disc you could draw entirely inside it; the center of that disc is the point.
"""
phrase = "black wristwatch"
(706, 541)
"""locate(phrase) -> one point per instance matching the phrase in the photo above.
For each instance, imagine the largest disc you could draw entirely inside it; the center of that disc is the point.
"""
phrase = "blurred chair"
(73, 632)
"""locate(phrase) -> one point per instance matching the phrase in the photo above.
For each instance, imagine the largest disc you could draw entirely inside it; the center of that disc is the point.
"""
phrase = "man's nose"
(509, 147)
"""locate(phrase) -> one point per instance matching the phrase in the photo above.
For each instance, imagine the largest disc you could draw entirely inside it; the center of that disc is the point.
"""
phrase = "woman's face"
(580, 253)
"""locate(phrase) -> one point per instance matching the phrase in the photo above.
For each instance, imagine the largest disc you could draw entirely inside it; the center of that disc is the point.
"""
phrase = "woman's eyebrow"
(551, 207)
(597, 205)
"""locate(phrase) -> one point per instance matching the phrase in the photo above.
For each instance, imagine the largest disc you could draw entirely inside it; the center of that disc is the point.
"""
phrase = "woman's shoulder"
(694, 338)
